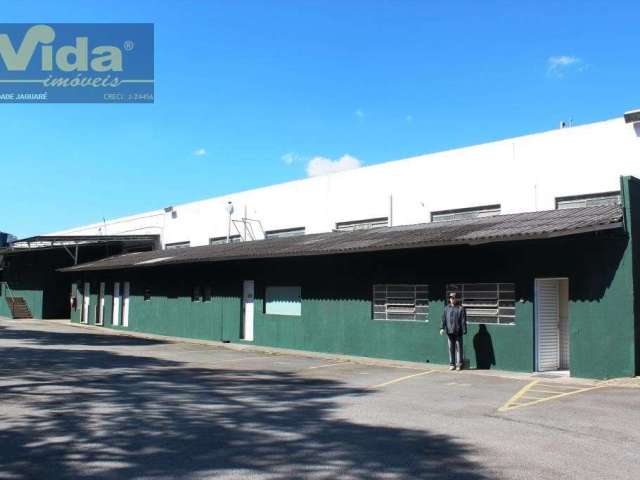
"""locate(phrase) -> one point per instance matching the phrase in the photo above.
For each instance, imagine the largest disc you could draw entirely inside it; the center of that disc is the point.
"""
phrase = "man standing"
(454, 323)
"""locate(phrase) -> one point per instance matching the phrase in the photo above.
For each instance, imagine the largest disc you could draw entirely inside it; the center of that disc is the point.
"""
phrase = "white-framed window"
(221, 240)
(465, 213)
(362, 224)
(487, 302)
(170, 246)
(401, 302)
(285, 232)
(588, 200)
(283, 300)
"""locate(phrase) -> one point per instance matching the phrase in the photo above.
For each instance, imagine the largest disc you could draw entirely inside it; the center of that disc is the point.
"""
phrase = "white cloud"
(200, 152)
(322, 165)
(558, 66)
(290, 158)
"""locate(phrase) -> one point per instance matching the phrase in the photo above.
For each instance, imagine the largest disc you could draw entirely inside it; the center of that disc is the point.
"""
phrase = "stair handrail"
(8, 290)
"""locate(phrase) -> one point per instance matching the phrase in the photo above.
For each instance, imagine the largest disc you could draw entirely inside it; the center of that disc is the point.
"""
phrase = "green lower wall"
(601, 322)
(336, 306)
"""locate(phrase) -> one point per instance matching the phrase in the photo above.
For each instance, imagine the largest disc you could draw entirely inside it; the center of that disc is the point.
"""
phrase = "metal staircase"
(17, 305)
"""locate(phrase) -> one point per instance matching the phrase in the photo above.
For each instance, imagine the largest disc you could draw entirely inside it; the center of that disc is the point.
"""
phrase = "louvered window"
(590, 200)
(487, 302)
(285, 232)
(400, 302)
(362, 224)
(465, 213)
(170, 246)
(221, 240)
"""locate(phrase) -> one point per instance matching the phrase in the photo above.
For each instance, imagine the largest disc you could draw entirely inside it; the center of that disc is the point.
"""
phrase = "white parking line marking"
(325, 365)
(401, 379)
(235, 360)
(528, 395)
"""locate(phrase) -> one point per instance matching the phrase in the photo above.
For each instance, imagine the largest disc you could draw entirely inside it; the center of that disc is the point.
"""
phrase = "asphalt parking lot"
(78, 403)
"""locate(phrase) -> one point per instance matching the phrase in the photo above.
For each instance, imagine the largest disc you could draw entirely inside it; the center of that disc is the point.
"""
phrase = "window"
(362, 224)
(589, 200)
(401, 302)
(283, 301)
(487, 302)
(220, 240)
(465, 213)
(196, 296)
(170, 246)
(286, 232)
(206, 296)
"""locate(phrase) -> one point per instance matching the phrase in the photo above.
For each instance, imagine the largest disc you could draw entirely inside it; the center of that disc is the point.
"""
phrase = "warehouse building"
(358, 262)
(545, 290)
(523, 174)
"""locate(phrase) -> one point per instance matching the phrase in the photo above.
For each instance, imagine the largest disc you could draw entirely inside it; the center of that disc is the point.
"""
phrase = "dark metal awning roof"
(501, 228)
(72, 243)
(56, 241)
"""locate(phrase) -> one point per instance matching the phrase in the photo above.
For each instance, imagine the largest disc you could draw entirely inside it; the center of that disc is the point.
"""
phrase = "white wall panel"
(522, 174)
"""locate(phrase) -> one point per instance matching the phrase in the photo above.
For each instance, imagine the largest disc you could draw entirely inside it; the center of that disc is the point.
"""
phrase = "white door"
(125, 304)
(100, 318)
(115, 315)
(247, 310)
(85, 302)
(547, 305)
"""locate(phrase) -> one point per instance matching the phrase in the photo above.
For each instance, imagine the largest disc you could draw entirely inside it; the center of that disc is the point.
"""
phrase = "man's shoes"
(458, 368)
(451, 367)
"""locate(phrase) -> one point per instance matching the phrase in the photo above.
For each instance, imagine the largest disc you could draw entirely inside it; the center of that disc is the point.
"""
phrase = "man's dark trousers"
(456, 353)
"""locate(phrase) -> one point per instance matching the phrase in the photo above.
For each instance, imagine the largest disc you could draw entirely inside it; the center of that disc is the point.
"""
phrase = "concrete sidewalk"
(553, 377)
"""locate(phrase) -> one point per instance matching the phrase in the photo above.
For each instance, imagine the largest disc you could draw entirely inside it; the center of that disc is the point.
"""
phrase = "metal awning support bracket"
(73, 255)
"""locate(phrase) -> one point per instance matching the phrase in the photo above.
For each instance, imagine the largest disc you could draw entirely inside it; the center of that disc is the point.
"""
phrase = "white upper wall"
(521, 174)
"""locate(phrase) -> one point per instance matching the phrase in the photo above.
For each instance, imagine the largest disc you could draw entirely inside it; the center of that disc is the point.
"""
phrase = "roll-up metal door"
(547, 306)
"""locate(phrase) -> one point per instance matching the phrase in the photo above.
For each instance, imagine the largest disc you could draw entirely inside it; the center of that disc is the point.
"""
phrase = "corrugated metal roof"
(44, 242)
(501, 228)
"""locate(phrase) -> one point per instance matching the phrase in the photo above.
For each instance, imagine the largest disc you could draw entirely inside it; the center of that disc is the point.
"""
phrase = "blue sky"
(248, 93)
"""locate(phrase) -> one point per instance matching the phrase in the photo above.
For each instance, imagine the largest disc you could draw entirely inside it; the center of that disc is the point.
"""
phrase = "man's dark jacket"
(454, 320)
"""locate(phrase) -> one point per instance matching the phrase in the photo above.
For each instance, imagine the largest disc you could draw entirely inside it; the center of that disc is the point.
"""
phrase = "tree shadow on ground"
(87, 339)
(98, 414)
